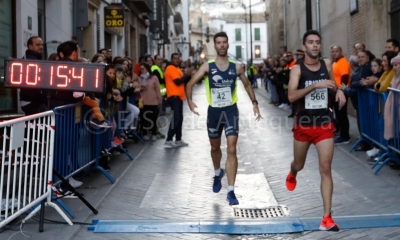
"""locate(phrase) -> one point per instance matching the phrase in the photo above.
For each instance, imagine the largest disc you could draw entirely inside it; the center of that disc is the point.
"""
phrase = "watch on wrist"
(255, 101)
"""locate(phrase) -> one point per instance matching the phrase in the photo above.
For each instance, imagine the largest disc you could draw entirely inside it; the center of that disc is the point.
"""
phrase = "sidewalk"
(176, 184)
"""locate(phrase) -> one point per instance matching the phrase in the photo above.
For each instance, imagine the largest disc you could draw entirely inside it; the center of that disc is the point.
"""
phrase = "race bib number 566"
(317, 99)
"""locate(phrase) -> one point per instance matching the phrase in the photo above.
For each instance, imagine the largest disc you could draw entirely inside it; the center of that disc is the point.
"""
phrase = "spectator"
(67, 51)
(272, 80)
(151, 100)
(142, 59)
(282, 75)
(109, 56)
(385, 80)
(389, 105)
(392, 45)
(299, 56)
(98, 58)
(53, 57)
(353, 60)
(377, 70)
(251, 73)
(359, 47)
(149, 61)
(341, 74)
(33, 101)
(175, 82)
(289, 59)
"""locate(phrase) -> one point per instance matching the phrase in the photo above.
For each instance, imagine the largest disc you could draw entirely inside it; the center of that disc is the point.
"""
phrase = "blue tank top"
(221, 86)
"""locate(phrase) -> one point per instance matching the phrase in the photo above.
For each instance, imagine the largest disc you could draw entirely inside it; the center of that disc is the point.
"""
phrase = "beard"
(222, 53)
(312, 55)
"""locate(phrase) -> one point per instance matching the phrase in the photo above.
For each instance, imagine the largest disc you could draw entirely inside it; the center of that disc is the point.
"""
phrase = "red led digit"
(97, 78)
(51, 75)
(20, 73)
(35, 76)
(78, 77)
(62, 76)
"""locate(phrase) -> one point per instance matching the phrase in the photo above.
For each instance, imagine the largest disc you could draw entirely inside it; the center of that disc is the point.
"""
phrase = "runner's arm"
(203, 70)
(246, 82)
(295, 94)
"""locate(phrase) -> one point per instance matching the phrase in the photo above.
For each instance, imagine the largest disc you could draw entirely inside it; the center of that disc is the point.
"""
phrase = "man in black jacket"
(33, 100)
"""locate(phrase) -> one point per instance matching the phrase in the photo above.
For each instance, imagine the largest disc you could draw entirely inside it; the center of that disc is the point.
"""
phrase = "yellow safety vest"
(163, 90)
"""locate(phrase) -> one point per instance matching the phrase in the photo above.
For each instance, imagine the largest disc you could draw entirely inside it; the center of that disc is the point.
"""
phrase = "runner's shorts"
(313, 134)
(226, 118)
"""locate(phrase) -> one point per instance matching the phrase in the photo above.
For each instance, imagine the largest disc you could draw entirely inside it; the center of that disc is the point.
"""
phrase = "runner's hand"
(257, 112)
(340, 98)
(192, 106)
(326, 84)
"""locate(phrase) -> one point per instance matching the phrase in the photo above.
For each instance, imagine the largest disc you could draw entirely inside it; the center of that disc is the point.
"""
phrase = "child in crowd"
(133, 111)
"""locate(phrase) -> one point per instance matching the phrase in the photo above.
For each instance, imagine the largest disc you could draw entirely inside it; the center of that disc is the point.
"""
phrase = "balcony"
(141, 5)
(178, 23)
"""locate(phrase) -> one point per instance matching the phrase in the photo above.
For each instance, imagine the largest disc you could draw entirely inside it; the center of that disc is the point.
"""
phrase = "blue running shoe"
(231, 198)
(217, 181)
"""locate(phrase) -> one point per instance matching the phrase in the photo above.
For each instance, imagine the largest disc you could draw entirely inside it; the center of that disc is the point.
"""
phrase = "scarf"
(144, 77)
(389, 109)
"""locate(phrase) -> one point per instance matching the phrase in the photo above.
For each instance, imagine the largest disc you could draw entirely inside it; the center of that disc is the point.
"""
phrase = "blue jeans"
(175, 127)
(272, 90)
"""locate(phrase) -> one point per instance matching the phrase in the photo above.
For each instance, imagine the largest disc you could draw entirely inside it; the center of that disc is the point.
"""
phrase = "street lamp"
(257, 51)
(202, 55)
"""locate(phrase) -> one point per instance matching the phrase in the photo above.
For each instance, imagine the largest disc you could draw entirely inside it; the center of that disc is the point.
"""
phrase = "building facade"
(145, 27)
(340, 22)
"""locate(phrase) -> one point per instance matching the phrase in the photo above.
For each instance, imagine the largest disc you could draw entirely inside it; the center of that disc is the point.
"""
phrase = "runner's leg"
(325, 155)
(216, 153)
(300, 150)
(231, 161)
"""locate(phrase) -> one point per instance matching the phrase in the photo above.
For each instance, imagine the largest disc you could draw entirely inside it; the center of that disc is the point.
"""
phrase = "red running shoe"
(291, 182)
(327, 224)
(118, 140)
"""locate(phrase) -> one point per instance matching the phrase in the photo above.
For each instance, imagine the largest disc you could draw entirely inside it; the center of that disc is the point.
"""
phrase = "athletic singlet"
(221, 86)
(315, 109)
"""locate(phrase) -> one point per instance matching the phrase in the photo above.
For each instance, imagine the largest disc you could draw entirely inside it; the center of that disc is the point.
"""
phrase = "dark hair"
(96, 56)
(30, 40)
(147, 66)
(68, 47)
(110, 83)
(151, 59)
(299, 50)
(102, 50)
(157, 55)
(378, 61)
(370, 55)
(308, 33)
(394, 42)
(389, 55)
(142, 58)
(119, 68)
(221, 34)
(174, 54)
(53, 57)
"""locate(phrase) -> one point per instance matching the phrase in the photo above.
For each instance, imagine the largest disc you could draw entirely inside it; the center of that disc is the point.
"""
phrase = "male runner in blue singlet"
(223, 114)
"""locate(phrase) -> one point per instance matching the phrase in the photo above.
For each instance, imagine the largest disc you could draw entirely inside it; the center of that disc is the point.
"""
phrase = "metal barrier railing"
(77, 143)
(393, 145)
(370, 112)
(26, 149)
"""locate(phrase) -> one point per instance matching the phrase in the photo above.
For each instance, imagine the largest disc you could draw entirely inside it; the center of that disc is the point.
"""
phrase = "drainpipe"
(317, 13)
(308, 15)
(284, 26)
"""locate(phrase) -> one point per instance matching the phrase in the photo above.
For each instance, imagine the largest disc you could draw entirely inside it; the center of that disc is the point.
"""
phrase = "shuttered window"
(238, 34)
(238, 51)
(256, 34)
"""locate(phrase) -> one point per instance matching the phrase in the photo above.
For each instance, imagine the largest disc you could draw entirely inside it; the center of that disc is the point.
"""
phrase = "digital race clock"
(56, 75)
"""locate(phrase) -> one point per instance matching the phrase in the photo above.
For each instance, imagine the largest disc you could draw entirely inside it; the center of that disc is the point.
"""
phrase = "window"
(238, 34)
(238, 51)
(257, 51)
(256, 33)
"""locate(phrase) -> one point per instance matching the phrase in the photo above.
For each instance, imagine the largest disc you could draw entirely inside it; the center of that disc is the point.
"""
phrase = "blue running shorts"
(226, 118)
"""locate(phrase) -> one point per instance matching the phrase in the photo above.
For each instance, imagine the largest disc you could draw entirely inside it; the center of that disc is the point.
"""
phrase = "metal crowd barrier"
(26, 149)
(393, 145)
(370, 112)
(77, 142)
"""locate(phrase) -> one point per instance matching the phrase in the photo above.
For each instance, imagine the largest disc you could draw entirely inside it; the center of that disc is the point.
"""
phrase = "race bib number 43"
(221, 97)
(317, 99)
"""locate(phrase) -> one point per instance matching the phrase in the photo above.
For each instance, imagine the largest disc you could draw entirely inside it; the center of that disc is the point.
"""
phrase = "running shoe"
(118, 140)
(327, 224)
(231, 198)
(101, 124)
(170, 144)
(181, 143)
(217, 185)
(160, 135)
(341, 141)
(291, 182)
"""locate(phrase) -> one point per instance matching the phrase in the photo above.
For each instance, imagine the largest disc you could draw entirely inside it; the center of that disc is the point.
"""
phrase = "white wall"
(185, 17)
(26, 8)
(58, 20)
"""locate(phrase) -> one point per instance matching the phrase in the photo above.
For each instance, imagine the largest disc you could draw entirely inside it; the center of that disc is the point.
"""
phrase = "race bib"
(221, 97)
(317, 99)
